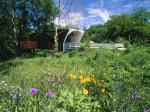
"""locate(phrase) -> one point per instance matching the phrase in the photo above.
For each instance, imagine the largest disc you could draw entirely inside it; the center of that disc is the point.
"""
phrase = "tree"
(42, 13)
(65, 8)
(134, 28)
(142, 26)
(8, 31)
(120, 26)
(96, 33)
(19, 17)
(142, 15)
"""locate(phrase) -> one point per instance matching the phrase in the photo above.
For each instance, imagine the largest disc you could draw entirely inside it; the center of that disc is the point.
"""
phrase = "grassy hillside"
(93, 80)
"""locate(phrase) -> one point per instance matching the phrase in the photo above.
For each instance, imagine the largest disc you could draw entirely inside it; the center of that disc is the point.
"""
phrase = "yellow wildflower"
(72, 76)
(81, 77)
(87, 79)
(82, 81)
(93, 79)
(81, 71)
(85, 91)
(103, 90)
(101, 81)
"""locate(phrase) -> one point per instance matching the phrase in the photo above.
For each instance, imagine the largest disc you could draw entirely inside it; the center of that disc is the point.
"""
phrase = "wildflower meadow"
(99, 80)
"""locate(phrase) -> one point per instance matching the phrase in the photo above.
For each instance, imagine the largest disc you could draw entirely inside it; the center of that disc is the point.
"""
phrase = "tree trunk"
(56, 38)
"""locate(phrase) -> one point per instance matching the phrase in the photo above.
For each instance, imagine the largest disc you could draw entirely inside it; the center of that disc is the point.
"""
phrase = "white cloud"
(99, 12)
(76, 18)
(79, 19)
(128, 6)
(57, 21)
(73, 18)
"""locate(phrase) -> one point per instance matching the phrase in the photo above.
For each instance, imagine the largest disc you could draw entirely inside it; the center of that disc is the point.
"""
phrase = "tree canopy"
(19, 18)
(133, 27)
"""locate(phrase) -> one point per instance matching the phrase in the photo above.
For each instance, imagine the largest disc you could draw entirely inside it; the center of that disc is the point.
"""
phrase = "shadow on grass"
(6, 65)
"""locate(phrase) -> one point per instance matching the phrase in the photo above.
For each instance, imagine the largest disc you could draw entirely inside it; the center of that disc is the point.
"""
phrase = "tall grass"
(121, 82)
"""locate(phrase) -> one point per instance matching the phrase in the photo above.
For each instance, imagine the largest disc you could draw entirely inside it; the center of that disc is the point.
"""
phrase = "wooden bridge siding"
(61, 38)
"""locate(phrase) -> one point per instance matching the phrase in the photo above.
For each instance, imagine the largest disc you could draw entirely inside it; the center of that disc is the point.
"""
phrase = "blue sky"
(90, 12)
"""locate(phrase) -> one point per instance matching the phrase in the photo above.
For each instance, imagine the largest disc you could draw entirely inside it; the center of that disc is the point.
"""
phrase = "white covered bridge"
(72, 39)
(69, 38)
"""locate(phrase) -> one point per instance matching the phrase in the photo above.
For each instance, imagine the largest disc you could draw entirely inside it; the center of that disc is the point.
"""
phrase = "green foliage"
(42, 53)
(7, 29)
(110, 77)
(134, 28)
(75, 102)
(119, 25)
(19, 19)
(96, 33)
(142, 14)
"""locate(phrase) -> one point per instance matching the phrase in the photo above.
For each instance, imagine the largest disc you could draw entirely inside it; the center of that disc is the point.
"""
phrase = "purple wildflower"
(15, 95)
(49, 94)
(146, 110)
(33, 91)
(136, 97)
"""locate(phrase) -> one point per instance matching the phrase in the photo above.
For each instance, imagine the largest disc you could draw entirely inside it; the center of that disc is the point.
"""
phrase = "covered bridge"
(67, 39)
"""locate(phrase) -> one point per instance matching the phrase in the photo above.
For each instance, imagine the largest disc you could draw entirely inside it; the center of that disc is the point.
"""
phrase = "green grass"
(124, 73)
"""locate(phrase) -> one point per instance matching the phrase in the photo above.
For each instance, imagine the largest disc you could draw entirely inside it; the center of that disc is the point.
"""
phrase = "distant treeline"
(134, 28)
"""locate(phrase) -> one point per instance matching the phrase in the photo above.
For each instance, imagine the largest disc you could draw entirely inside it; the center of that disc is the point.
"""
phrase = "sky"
(85, 13)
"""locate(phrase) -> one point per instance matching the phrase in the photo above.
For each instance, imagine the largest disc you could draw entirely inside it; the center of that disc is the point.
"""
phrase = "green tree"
(8, 30)
(142, 15)
(96, 33)
(120, 26)
(142, 26)
(134, 27)
(19, 17)
(42, 13)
